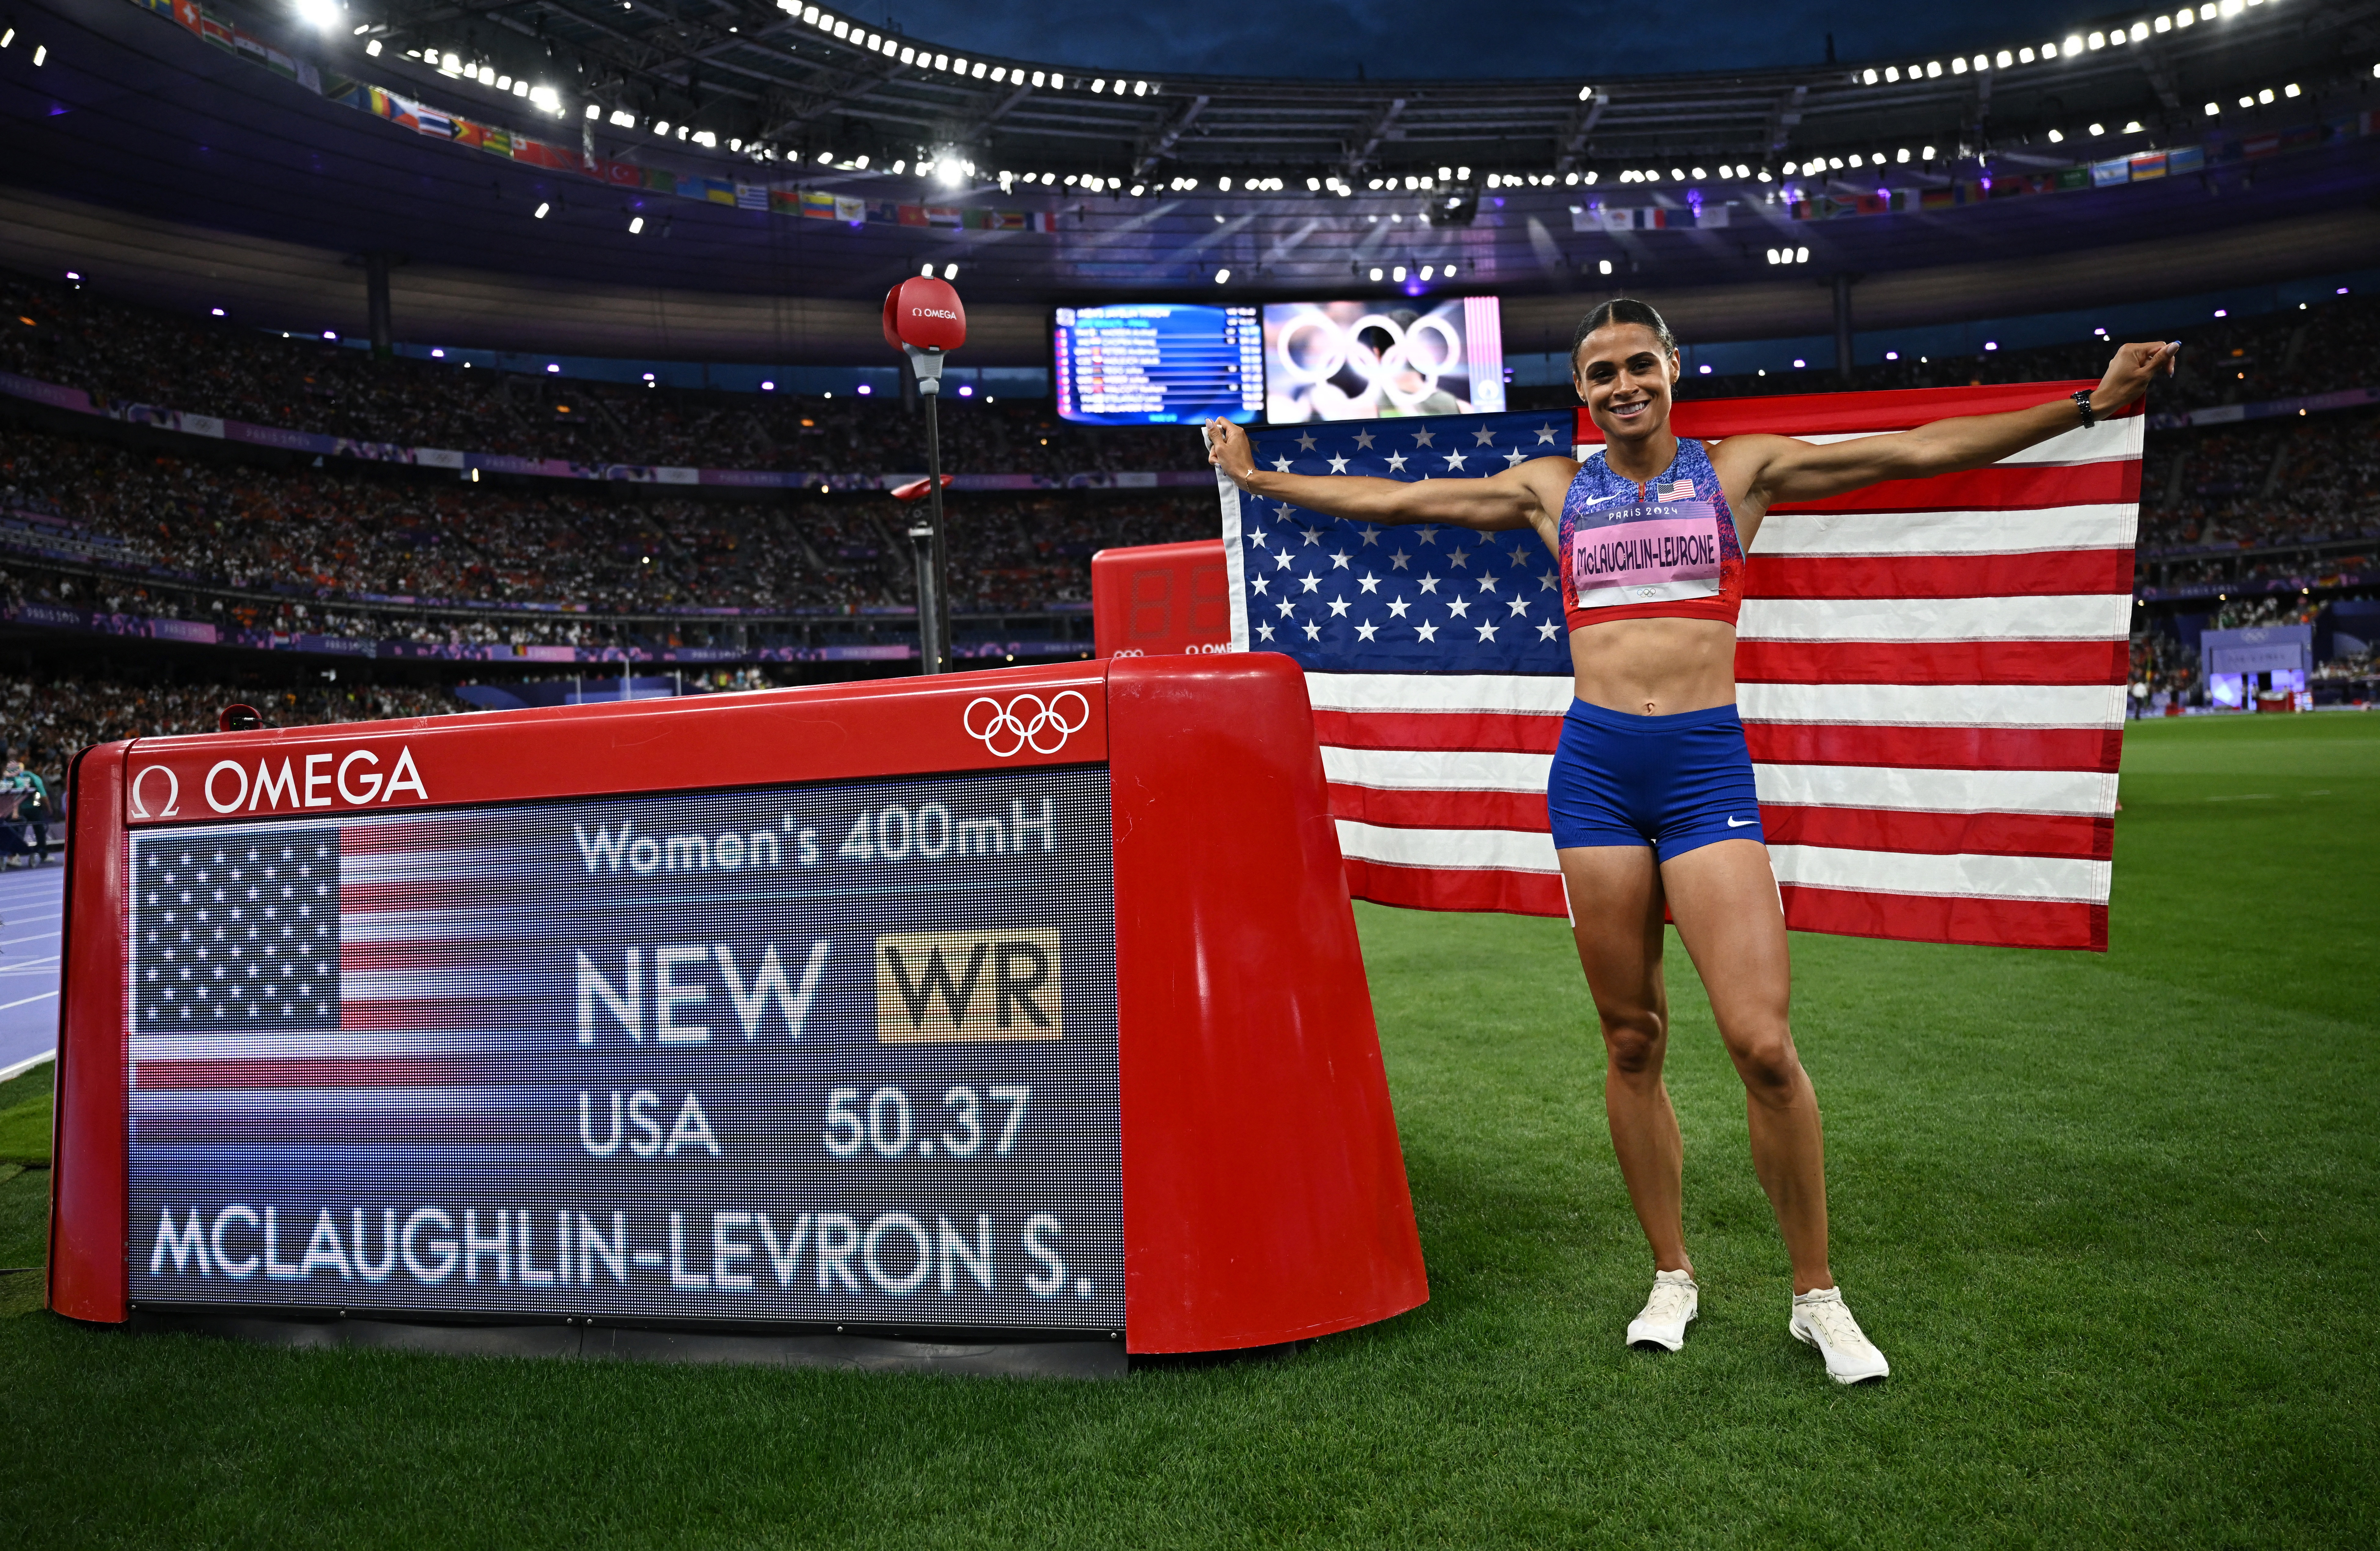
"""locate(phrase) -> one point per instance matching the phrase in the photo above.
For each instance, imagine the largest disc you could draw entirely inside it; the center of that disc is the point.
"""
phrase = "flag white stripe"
(2046, 530)
(1457, 850)
(1546, 695)
(2055, 617)
(1910, 705)
(1958, 876)
(2088, 793)
(415, 985)
(1436, 770)
(2108, 442)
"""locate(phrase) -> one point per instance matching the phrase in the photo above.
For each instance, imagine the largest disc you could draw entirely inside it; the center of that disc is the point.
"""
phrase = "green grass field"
(2115, 1218)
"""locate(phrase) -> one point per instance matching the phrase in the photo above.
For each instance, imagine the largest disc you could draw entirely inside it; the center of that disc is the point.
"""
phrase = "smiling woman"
(1651, 795)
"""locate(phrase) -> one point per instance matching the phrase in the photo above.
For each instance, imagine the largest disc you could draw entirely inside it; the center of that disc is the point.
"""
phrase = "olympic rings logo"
(1026, 722)
(1309, 363)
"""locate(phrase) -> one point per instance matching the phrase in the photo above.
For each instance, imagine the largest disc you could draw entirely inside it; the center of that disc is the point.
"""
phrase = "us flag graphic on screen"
(237, 935)
(1930, 671)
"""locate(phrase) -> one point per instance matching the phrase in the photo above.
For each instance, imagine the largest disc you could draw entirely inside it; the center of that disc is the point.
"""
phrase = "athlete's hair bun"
(1622, 309)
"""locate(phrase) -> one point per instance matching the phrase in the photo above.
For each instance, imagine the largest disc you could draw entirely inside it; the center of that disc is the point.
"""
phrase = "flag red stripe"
(2001, 486)
(1440, 810)
(2000, 923)
(1948, 662)
(415, 1012)
(1516, 893)
(1934, 748)
(1774, 743)
(399, 1072)
(1941, 834)
(1496, 731)
(2052, 574)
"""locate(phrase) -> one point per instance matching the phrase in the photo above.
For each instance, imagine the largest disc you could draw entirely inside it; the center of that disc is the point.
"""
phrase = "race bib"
(1647, 554)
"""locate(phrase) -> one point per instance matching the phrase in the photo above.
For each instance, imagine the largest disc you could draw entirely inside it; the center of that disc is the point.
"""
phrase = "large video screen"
(1361, 361)
(1157, 363)
(841, 1053)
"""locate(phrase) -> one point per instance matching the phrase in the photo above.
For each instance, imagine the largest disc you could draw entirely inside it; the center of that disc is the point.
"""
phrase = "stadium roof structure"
(179, 164)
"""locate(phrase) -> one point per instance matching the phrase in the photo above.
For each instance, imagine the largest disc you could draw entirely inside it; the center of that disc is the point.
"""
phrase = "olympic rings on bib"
(1008, 731)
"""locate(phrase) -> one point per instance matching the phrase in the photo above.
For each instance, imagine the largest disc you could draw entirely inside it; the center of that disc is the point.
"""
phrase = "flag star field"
(1349, 596)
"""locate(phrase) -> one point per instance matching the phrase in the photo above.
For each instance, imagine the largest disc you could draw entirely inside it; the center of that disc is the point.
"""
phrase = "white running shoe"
(1675, 1302)
(1821, 1319)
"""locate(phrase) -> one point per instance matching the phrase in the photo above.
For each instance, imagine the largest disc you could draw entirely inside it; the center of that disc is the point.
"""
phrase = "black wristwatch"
(2082, 407)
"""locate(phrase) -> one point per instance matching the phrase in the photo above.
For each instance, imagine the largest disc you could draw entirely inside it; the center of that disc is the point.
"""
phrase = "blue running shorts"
(1672, 783)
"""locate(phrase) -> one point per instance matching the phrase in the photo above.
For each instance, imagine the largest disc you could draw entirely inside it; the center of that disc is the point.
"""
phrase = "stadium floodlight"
(1445, 172)
(1222, 275)
(1959, 66)
(1136, 189)
(1926, 154)
(635, 225)
(1376, 272)
(2247, 102)
(2265, 95)
(1057, 82)
(1589, 179)
(1700, 175)
(927, 272)
(950, 272)
(542, 206)
(1604, 267)
(1801, 255)
(1098, 88)
(1764, 176)
(2073, 43)
(2132, 126)
(328, 334)
(1679, 173)
(2003, 60)
(620, 118)
(217, 311)
(1991, 344)
(2214, 110)
(2185, 17)
(1312, 185)
(2290, 89)
(553, 366)
(661, 126)
(1892, 74)
(1397, 273)
(1800, 362)
(321, 15)
(1447, 272)
(1425, 271)
(1772, 255)
(1868, 79)
(1140, 89)
(1224, 184)
(707, 139)
(1932, 69)
(2057, 137)
(2097, 129)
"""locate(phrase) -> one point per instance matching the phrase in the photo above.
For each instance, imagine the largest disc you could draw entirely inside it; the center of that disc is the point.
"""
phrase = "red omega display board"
(1025, 1002)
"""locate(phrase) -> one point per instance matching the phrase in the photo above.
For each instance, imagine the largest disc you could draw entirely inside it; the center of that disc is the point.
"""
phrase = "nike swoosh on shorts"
(1740, 823)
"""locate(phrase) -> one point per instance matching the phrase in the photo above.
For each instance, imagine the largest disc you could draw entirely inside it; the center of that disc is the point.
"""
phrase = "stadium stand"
(2243, 523)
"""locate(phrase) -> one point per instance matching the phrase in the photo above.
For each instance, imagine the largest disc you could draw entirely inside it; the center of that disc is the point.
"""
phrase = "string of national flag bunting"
(821, 205)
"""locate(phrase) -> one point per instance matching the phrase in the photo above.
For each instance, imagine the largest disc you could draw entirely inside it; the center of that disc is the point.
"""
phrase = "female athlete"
(1651, 793)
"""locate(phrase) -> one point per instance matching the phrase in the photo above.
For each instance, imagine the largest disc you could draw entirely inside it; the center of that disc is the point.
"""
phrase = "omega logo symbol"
(1009, 729)
(172, 792)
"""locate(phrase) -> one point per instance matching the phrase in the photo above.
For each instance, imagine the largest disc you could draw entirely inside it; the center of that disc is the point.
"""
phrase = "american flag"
(1930, 672)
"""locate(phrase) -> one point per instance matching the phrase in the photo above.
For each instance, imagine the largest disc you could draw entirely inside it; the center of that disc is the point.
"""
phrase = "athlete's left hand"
(2128, 374)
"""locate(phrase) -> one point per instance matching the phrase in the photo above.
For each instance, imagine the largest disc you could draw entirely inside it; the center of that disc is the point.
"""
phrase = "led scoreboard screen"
(812, 1053)
(1158, 363)
(1012, 1017)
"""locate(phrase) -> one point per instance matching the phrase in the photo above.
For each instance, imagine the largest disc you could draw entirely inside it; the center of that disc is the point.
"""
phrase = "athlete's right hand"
(1228, 449)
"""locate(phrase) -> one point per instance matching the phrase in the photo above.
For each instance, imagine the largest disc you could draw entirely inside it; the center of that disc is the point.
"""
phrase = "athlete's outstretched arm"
(1779, 468)
(1498, 502)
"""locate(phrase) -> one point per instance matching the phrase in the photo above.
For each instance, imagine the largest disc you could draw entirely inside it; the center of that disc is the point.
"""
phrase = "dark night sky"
(1406, 39)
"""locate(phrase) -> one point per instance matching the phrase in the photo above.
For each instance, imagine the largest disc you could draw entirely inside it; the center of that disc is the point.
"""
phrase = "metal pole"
(933, 565)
